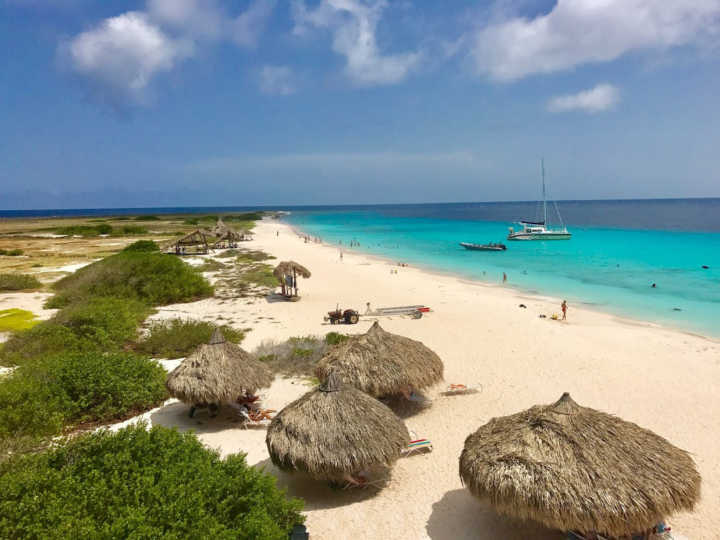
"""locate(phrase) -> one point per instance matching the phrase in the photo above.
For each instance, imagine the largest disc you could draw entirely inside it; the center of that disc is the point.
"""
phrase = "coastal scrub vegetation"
(175, 338)
(143, 245)
(100, 229)
(151, 277)
(297, 356)
(18, 282)
(141, 483)
(11, 252)
(46, 395)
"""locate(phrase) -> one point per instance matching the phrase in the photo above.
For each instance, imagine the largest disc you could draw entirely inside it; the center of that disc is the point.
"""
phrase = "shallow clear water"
(606, 267)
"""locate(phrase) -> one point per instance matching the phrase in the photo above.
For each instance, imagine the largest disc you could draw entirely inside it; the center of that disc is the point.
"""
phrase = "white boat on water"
(539, 230)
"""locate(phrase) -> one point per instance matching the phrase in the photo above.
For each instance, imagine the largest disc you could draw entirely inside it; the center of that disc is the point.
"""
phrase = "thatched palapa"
(196, 240)
(287, 273)
(574, 468)
(335, 430)
(217, 373)
(382, 364)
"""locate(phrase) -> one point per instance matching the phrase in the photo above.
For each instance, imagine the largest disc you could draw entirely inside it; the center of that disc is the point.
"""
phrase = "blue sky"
(212, 102)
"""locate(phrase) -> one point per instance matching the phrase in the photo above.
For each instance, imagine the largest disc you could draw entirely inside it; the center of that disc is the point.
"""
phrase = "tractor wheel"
(352, 318)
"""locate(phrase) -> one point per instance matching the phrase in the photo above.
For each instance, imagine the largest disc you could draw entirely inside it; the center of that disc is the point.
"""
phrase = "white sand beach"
(661, 379)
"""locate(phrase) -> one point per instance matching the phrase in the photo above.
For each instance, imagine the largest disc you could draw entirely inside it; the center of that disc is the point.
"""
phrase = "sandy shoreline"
(660, 378)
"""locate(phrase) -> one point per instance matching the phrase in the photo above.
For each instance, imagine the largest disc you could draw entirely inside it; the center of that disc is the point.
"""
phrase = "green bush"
(11, 252)
(85, 230)
(191, 221)
(129, 230)
(147, 218)
(154, 278)
(334, 338)
(45, 338)
(136, 483)
(179, 337)
(143, 245)
(70, 388)
(250, 256)
(106, 321)
(18, 282)
(94, 324)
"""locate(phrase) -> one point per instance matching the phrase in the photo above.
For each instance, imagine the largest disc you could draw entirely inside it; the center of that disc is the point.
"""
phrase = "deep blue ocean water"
(618, 250)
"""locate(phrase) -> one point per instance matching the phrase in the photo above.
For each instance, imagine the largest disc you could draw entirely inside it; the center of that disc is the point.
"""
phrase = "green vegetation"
(250, 256)
(226, 254)
(143, 245)
(11, 252)
(178, 337)
(96, 324)
(40, 398)
(258, 274)
(151, 277)
(130, 230)
(85, 230)
(211, 265)
(18, 282)
(333, 338)
(147, 218)
(141, 484)
(13, 320)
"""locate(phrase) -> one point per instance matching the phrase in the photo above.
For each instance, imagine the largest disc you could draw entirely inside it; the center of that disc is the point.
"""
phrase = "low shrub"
(250, 256)
(129, 230)
(296, 357)
(11, 252)
(143, 245)
(152, 277)
(179, 337)
(334, 338)
(259, 274)
(14, 320)
(45, 395)
(147, 218)
(191, 221)
(136, 483)
(94, 324)
(106, 321)
(85, 230)
(18, 282)
(211, 265)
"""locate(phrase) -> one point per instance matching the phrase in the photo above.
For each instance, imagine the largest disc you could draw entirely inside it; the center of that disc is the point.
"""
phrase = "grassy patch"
(137, 483)
(251, 256)
(146, 218)
(152, 277)
(211, 265)
(226, 254)
(296, 357)
(14, 320)
(178, 337)
(143, 245)
(11, 252)
(334, 338)
(18, 282)
(85, 230)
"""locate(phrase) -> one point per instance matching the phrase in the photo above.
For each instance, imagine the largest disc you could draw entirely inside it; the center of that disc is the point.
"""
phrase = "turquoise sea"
(618, 250)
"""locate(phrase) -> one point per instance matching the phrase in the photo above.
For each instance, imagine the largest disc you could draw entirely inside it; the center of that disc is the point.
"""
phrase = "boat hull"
(539, 236)
(480, 247)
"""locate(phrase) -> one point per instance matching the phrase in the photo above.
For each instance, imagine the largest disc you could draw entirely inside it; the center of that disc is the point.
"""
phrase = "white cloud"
(600, 98)
(277, 80)
(354, 24)
(123, 53)
(578, 32)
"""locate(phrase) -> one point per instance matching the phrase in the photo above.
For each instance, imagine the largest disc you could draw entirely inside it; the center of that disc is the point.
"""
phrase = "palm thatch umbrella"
(382, 364)
(217, 373)
(287, 272)
(574, 468)
(335, 430)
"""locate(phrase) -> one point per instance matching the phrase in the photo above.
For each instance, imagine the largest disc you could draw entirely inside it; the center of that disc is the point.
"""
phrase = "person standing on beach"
(563, 306)
(504, 277)
(341, 255)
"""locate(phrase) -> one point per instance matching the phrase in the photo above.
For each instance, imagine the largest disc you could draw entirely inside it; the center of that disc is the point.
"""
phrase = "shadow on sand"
(178, 415)
(459, 515)
(316, 493)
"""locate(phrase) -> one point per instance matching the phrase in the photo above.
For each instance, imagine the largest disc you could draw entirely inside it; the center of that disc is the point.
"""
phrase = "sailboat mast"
(542, 166)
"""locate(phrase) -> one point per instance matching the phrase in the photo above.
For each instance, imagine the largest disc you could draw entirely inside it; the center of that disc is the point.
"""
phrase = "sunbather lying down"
(258, 415)
(358, 479)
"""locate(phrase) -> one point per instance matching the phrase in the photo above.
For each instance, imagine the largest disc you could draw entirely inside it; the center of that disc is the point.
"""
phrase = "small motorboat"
(492, 246)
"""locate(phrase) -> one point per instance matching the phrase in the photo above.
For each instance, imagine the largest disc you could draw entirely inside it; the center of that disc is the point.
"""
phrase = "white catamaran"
(539, 230)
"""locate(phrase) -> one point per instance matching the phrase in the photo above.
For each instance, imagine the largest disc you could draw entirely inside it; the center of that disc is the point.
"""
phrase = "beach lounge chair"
(256, 417)
(417, 445)
(457, 389)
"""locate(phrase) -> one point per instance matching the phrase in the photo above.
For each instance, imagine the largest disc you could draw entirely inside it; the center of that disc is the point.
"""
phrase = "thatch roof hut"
(287, 272)
(574, 468)
(335, 430)
(217, 373)
(220, 228)
(382, 364)
(197, 240)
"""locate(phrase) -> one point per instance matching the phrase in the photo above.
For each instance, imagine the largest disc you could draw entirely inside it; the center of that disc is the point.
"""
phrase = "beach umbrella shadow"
(176, 415)
(458, 516)
(316, 494)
